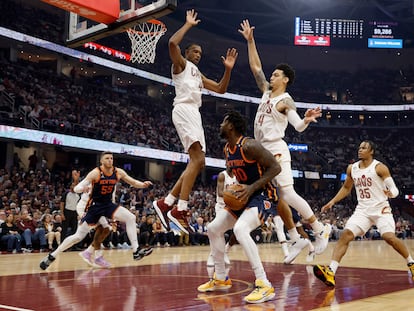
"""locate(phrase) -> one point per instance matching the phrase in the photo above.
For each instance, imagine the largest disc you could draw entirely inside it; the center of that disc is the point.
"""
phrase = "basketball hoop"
(144, 38)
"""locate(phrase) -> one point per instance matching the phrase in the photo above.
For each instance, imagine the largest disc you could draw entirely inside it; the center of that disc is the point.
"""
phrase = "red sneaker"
(179, 218)
(161, 208)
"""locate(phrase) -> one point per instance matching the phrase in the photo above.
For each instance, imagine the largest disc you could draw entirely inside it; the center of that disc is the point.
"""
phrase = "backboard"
(81, 30)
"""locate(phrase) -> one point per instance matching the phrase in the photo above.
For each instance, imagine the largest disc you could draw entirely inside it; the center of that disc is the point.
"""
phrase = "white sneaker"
(310, 257)
(322, 239)
(294, 250)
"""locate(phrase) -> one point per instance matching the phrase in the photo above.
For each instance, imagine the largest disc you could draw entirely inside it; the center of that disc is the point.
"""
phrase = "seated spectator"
(10, 235)
(199, 236)
(52, 229)
(146, 235)
(180, 238)
(160, 236)
(267, 231)
(30, 231)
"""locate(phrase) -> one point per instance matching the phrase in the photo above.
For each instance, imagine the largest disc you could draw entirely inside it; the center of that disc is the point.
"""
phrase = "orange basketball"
(230, 197)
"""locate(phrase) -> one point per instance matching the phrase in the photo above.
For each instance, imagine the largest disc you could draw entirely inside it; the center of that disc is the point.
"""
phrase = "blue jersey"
(247, 171)
(103, 189)
(100, 202)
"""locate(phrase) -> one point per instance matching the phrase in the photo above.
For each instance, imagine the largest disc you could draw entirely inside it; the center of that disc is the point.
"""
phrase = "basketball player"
(224, 179)
(274, 112)
(254, 168)
(188, 82)
(93, 255)
(373, 186)
(103, 180)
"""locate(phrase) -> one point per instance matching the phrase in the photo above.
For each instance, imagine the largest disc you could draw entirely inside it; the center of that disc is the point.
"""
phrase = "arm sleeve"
(390, 184)
(81, 186)
(294, 119)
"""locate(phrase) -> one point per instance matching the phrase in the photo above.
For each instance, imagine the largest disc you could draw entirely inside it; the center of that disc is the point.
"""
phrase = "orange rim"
(151, 21)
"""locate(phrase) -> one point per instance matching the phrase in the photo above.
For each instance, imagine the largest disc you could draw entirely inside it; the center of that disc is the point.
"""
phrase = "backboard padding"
(81, 30)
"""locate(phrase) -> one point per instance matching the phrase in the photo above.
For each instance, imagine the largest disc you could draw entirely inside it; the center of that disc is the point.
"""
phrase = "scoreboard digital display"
(339, 32)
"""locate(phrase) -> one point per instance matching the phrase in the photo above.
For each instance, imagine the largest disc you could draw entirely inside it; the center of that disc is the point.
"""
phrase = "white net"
(144, 38)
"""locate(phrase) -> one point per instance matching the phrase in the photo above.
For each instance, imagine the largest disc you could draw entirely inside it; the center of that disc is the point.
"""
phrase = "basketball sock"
(293, 234)
(409, 259)
(317, 226)
(90, 249)
(170, 199)
(334, 266)
(182, 205)
(210, 266)
(311, 247)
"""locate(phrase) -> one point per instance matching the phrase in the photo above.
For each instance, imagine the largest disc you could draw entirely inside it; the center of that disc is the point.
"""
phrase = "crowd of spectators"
(363, 86)
(93, 108)
(31, 216)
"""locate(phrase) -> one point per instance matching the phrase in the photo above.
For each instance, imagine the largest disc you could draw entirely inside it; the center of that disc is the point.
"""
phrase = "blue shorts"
(263, 204)
(97, 210)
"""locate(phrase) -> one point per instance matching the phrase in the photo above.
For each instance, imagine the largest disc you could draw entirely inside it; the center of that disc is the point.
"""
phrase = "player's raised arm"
(228, 62)
(254, 59)
(173, 44)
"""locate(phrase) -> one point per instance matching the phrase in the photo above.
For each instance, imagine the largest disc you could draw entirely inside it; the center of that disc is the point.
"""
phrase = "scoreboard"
(339, 32)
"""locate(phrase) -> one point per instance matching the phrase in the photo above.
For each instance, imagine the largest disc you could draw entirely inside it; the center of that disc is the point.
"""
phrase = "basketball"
(230, 197)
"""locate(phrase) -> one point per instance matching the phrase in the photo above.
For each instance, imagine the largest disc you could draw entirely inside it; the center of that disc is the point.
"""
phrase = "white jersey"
(188, 85)
(270, 124)
(227, 182)
(369, 188)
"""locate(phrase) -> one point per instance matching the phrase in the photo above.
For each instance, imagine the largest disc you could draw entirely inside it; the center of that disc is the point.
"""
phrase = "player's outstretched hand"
(191, 18)
(327, 206)
(312, 114)
(147, 184)
(246, 30)
(230, 58)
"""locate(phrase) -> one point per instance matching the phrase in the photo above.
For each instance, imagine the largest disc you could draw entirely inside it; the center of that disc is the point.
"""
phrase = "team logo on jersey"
(267, 205)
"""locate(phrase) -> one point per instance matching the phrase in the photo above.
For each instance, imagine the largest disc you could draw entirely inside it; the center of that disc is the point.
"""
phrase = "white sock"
(317, 226)
(170, 199)
(182, 205)
(334, 266)
(293, 234)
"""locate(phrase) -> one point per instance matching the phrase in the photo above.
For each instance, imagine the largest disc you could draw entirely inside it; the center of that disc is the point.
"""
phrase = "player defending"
(103, 180)
(254, 168)
(225, 178)
(274, 112)
(373, 186)
(188, 82)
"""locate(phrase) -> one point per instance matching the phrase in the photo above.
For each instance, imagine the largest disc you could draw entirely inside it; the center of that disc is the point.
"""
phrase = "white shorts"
(187, 122)
(281, 153)
(361, 221)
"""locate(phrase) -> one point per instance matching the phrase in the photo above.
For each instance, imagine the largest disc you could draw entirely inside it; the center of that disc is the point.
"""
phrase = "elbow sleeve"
(79, 188)
(294, 119)
(390, 185)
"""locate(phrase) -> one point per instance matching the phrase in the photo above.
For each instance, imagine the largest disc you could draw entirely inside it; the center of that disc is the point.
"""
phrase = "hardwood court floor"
(372, 277)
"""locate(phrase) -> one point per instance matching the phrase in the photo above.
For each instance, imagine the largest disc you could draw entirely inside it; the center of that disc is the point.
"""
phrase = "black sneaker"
(45, 263)
(142, 252)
